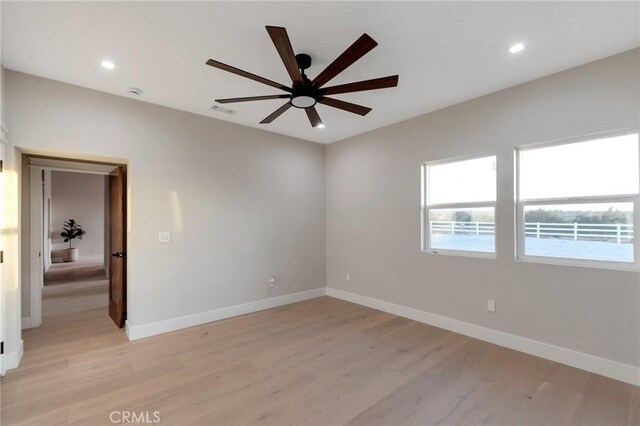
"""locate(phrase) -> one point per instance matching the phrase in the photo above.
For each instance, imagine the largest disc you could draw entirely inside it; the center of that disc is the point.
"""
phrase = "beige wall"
(373, 214)
(80, 196)
(242, 204)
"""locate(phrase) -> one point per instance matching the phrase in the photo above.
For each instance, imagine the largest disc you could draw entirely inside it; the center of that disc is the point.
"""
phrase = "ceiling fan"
(305, 93)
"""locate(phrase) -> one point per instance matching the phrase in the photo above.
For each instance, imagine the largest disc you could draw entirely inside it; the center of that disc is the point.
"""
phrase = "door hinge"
(1, 166)
(1, 348)
(2, 256)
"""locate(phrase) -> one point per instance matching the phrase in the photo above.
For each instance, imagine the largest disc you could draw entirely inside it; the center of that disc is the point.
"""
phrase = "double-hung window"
(578, 201)
(458, 206)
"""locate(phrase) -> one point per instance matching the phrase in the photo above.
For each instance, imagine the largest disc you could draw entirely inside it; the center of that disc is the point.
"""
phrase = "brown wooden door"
(117, 247)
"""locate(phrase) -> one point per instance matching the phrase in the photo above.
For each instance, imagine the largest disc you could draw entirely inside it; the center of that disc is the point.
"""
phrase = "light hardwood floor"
(318, 362)
(61, 273)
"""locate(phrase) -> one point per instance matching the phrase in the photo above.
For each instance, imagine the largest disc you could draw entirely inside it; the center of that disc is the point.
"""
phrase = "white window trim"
(520, 205)
(425, 241)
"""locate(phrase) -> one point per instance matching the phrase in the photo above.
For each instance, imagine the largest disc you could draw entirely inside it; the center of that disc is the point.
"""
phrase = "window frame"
(520, 205)
(425, 243)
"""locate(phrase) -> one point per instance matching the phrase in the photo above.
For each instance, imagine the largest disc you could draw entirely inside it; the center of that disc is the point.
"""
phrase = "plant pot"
(70, 255)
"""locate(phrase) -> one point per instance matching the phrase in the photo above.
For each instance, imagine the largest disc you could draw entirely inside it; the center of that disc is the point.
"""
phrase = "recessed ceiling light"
(108, 65)
(518, 47)
(320, 126)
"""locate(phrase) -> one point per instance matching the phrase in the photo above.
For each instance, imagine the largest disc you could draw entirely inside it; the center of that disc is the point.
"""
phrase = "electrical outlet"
(272, 282)
(164, 236)
(491, 305)
(348, 277)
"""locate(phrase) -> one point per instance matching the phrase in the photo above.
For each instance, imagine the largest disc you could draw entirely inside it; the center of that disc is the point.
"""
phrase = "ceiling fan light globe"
(303, 101)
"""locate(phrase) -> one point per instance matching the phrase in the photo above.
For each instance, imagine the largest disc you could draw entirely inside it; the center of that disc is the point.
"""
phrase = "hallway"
(75, 320)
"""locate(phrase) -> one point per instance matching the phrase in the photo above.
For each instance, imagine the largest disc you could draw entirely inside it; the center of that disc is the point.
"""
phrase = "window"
(578, 201)
(458, 206)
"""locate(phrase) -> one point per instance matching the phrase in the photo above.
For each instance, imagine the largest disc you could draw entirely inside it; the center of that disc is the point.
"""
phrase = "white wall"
(79, 196)
(373, 215)
(241, 204)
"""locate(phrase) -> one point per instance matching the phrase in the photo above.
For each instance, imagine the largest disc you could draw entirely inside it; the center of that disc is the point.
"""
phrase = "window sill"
(577, 263)
(460, 253)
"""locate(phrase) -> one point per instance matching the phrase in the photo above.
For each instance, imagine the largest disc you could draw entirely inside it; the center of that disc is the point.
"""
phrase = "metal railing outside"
(614, 232)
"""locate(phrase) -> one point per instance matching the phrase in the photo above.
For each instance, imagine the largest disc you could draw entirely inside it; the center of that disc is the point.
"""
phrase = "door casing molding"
(33, 241)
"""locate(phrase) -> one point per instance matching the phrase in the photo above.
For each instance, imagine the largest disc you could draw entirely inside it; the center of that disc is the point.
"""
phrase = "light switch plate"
(164, 236)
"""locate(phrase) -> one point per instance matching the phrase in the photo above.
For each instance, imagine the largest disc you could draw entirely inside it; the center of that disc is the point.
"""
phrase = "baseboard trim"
(12, 359)
(28, 322)
(605, 367)
(173, 324)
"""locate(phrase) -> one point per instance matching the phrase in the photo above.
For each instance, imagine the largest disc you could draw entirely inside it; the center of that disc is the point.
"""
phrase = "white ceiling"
(444, 52)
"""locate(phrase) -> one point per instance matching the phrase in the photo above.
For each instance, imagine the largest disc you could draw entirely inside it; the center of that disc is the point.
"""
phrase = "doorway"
(76, 244)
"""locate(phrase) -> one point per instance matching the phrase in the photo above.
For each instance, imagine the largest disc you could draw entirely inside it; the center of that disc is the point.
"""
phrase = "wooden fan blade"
(251, 98)
(347, 106)
(275, 114)
(361, 86)
(354, 52)
(248, 75)
(314, 118)
(281, 40)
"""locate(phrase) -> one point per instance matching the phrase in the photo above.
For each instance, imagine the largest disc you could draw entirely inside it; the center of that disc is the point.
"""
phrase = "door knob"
(118, 254)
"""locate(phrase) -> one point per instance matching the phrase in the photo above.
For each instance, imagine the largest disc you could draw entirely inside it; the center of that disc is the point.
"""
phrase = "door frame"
(36, 260)
(3, 197)
(36, 218)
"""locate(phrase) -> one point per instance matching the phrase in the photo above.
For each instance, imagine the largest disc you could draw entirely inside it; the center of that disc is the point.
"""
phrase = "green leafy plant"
(72, 230)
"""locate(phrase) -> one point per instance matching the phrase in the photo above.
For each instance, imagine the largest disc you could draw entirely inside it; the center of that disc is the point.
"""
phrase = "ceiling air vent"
(223, 110)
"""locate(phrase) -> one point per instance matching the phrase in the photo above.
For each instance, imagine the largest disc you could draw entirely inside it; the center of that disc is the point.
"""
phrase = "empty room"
(320, 213)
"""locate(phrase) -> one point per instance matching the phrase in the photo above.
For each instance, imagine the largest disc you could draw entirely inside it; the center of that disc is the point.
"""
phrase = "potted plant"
(70, 231)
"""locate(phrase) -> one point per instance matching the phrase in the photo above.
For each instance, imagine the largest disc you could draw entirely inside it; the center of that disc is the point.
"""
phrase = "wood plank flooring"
(319, 362)
(62, 273)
